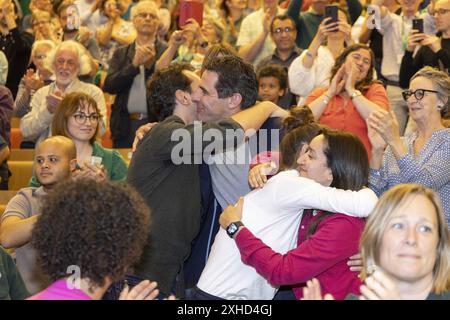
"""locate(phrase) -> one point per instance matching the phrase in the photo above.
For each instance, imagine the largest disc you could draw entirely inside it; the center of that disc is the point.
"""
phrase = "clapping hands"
(91, 171)
(32, 81)
(144, 55)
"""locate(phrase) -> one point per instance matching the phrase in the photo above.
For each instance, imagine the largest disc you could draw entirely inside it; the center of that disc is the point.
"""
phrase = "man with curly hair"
(54, 160)
(80, 244)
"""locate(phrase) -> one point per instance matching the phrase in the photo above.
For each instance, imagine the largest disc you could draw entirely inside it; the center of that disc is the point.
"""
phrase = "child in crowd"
(272, 83)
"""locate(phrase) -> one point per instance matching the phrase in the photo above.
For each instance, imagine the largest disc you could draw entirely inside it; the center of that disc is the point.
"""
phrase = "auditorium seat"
(21, 155)
(15, 138)
(21, 173)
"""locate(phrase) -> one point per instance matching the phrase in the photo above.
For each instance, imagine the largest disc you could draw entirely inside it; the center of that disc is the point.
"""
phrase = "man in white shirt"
(254, 41)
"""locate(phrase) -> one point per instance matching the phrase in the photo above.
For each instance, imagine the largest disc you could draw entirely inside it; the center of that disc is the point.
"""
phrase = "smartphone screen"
(190, 9)
(417, 24)
(331, 12)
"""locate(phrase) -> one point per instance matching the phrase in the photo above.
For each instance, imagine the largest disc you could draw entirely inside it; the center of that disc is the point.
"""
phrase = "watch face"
(232, 228)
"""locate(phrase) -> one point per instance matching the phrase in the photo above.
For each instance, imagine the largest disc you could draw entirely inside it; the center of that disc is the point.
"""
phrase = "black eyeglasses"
(281, 30)
(440, 11)
(418, 94)
(144, 15)
(81, 118)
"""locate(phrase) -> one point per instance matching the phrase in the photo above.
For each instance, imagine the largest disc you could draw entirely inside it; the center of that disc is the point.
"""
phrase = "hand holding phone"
(190, 9)
(331, 12)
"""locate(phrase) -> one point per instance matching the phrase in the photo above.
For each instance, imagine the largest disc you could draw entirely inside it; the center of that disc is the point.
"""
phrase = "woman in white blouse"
(312, 68)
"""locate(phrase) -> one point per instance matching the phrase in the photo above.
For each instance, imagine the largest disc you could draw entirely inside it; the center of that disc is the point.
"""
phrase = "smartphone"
(96, 160)
(417, 24)
(190, 9)
(73, 17)
(331, 12)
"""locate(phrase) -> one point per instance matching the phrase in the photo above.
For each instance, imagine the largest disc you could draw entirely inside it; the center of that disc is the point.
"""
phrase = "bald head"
(65, 144)
(145, 19)
(54, 161)
(144, 6)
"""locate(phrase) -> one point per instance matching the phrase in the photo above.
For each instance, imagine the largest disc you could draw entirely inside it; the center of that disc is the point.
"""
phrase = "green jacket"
(12, 286)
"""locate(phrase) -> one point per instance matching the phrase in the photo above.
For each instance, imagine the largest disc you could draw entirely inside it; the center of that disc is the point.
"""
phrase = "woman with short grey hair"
(422, 157)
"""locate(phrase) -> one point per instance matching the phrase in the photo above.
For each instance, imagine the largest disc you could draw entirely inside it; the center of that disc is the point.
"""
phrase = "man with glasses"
(432, 50)
(283, 32)
(69, 61)
(129, 69)
(253, 40)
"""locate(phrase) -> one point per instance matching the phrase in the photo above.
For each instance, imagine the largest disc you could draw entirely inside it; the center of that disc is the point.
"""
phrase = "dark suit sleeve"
(354, 10)
(121, 72)
(410, 66)
(444, 56)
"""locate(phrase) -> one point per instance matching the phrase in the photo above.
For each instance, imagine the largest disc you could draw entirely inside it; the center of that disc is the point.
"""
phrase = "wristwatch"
(233, 228)
(355, 94)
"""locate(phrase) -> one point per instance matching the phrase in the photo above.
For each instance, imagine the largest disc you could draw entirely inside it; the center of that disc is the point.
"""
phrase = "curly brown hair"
(365, 83)
(99, 226)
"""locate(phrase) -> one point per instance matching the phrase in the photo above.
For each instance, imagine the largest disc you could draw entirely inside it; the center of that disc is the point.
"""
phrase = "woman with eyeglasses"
(43, 28)
(312, 68)
(77, 117)
(423, 156)
(35, 78)
(352, 94)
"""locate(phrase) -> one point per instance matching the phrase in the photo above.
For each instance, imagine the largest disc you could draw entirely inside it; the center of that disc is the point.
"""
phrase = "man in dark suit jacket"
(130, 67)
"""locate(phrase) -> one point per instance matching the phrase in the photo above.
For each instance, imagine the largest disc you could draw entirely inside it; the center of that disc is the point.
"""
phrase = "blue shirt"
(430, 167)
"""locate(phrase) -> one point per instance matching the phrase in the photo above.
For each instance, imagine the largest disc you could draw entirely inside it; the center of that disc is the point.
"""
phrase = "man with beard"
(67, 63)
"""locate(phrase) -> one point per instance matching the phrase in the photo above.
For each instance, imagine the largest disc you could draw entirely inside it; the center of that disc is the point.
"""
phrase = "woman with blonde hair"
(35, 78)
(43, 27)
(405, 248)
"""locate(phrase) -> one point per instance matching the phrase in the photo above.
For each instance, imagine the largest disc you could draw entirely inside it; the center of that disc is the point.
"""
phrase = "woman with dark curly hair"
(352, 94)
(80, 244)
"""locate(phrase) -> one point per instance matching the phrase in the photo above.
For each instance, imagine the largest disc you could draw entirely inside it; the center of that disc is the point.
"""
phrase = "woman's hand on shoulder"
(257, 176)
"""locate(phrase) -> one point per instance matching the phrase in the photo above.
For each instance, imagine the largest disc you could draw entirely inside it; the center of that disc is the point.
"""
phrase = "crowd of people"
(278, 151)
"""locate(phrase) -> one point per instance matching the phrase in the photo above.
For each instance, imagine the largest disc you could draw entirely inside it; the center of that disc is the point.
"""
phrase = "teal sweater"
(12, 286)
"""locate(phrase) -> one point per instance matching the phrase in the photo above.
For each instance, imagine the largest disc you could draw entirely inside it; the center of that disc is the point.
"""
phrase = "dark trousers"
(116, 288)
(209, 227)
(127, 141)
